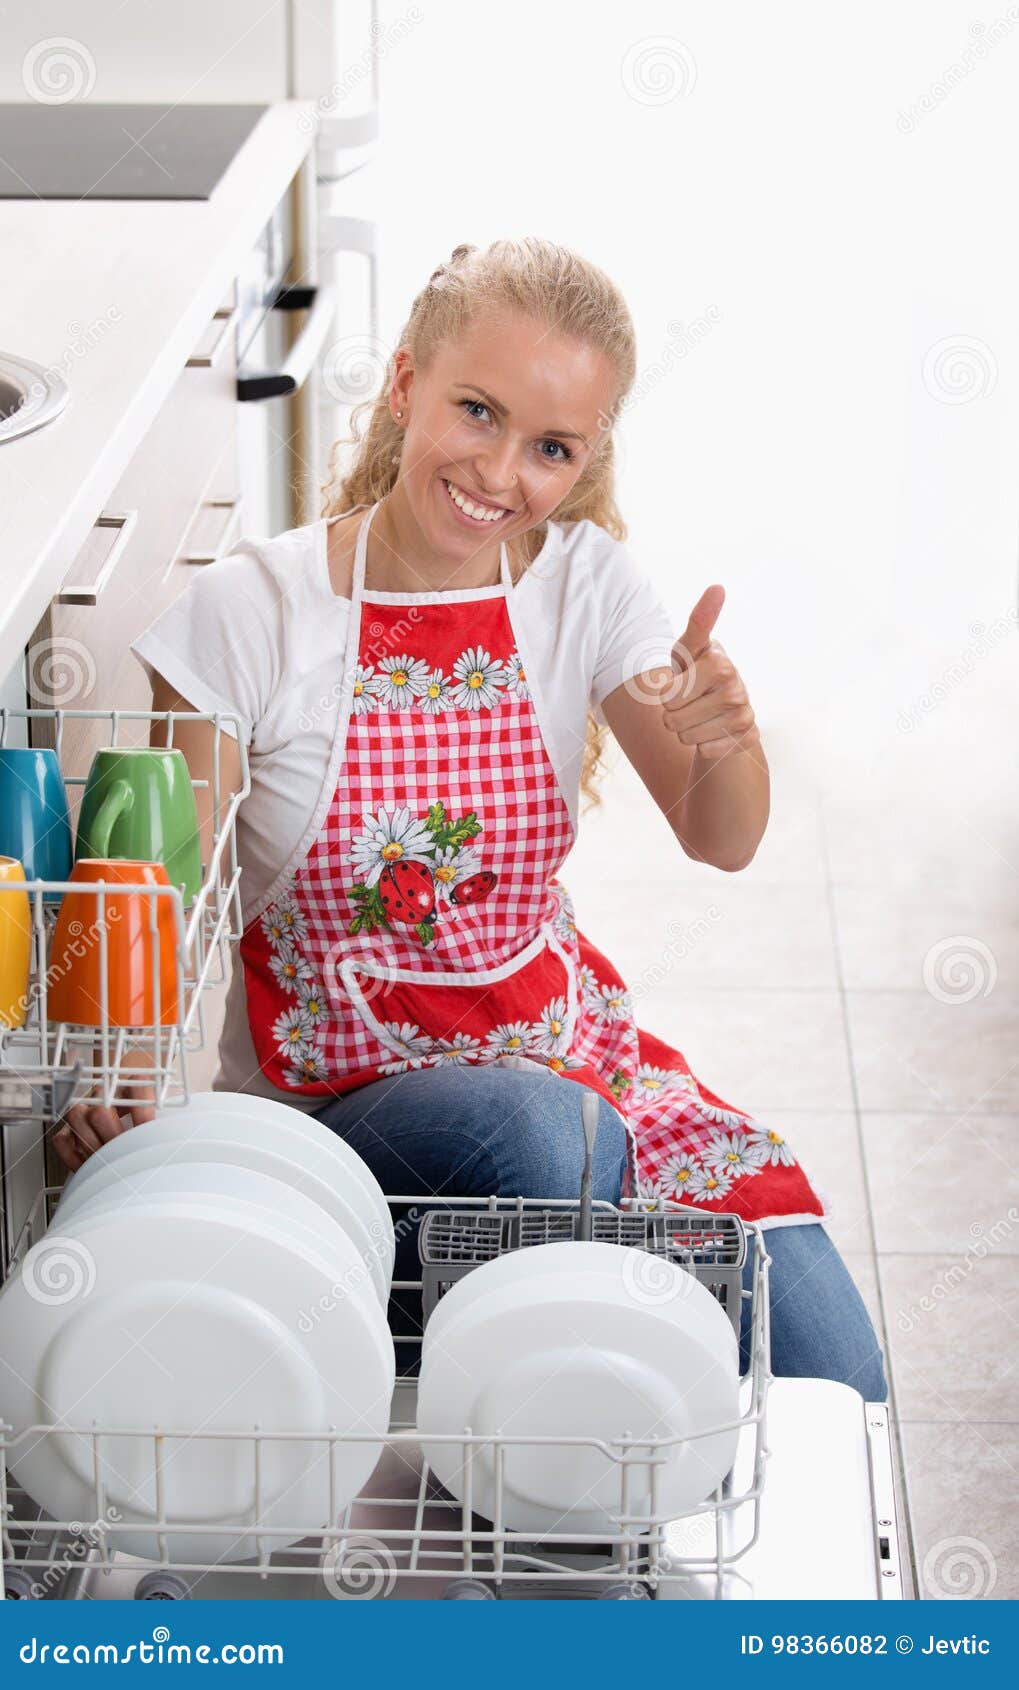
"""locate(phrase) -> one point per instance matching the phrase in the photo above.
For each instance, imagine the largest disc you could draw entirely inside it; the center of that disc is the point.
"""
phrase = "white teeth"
(480, 513)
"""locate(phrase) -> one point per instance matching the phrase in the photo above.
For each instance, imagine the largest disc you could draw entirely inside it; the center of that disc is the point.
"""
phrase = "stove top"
(118, 152)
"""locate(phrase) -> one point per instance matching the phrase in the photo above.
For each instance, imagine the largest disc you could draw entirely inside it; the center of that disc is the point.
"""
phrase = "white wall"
(859, 517)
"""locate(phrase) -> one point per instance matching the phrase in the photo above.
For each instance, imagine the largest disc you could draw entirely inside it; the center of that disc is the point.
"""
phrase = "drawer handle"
(207, 360)
(293, 373)
(88, 592)
(220, 532)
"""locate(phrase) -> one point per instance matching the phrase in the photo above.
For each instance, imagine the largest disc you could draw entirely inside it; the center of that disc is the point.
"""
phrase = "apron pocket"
(526, 1007)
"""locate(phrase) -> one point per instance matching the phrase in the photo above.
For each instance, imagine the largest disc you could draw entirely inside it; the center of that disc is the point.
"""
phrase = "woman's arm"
(88, 1125)
(634, 715)
(727, 804)
(713, 782)
(717, 806)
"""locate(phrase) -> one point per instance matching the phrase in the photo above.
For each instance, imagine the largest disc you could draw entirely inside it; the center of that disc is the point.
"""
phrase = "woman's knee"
(485, 1129)
(541, 1153)
(531, 1128)
(820, 1327)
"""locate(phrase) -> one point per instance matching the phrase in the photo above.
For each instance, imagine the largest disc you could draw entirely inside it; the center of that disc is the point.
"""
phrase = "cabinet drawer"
(189, 446)
(175, 507)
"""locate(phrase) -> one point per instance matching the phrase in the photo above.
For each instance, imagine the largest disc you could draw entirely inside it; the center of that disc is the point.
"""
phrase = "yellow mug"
(15, 946)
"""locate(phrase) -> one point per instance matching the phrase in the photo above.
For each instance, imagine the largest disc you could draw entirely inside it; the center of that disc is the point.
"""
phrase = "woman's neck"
(395, 537)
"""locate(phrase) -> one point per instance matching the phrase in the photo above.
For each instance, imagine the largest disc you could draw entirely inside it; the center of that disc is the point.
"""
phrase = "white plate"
(156, 1146)
(176, 1315)
(601, 1354)
(228, 1138)
(273, 1110)
(635, 1275)
(271, 1115)
(266, 1117)
(225, 1184)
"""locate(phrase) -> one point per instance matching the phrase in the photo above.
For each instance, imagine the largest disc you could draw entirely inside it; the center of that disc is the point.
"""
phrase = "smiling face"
(508, 398)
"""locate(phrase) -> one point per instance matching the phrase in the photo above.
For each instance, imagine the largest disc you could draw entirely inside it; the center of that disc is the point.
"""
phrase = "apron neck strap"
(361, 556)
(361, 551)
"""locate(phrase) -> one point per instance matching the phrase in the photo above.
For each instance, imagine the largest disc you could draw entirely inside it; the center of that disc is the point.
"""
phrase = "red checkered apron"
(420, 921)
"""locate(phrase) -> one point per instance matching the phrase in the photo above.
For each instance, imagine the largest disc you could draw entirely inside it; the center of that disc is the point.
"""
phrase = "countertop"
(114, 295)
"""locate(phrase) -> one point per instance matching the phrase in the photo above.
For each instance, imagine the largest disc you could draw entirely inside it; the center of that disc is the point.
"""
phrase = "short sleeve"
(219, 642)
(635, 631)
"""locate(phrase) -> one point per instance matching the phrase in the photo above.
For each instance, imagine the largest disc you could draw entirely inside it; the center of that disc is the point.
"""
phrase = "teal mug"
(139, 803)
(35, 827)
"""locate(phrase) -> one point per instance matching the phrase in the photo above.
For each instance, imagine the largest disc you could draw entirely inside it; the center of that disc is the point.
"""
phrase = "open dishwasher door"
(826, 1523)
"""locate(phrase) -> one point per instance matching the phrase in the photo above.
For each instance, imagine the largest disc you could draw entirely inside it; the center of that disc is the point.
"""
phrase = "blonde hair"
(555, 288)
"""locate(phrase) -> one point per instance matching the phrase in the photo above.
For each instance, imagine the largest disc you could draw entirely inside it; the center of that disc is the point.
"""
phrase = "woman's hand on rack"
(89, 1125)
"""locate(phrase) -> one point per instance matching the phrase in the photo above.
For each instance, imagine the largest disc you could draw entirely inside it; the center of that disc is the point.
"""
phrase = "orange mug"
(15, 946)
(141, 947)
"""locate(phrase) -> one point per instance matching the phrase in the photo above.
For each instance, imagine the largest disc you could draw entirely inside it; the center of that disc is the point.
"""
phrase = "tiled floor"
(859, 985)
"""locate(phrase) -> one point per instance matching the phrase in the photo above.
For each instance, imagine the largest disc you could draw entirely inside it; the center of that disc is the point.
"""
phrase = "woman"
(415, 675)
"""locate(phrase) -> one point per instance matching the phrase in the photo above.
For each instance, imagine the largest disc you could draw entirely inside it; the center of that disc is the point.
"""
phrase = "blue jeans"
(820, 1328)
(494, 1130)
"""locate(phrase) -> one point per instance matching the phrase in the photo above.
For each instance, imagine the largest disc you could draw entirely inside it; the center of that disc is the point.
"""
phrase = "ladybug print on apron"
(421, 922)
(401, 891)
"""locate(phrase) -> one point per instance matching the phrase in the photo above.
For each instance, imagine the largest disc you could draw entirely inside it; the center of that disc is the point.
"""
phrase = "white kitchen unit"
(327, 53)
(131, 301)
(322, 50)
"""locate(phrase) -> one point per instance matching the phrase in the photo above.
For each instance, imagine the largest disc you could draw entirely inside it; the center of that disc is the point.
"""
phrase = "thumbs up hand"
(707, 703)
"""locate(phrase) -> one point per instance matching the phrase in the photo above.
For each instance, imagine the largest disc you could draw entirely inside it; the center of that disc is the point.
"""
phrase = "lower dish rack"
(404, 1535)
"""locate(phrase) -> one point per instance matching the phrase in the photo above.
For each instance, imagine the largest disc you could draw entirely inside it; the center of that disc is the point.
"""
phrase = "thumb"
(696, 635)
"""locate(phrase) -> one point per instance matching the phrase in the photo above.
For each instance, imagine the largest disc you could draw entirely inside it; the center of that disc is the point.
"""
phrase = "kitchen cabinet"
(174, 510)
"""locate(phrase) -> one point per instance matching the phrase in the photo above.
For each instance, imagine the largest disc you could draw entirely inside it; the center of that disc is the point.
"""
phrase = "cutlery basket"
(46, 1064)
(713, 1248)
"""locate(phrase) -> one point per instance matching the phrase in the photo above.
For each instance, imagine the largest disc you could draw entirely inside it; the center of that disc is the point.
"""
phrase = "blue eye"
(567, 454)
(473, 405)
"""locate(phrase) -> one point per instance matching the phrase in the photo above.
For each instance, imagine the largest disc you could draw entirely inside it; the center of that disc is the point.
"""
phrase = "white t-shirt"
(261, 634)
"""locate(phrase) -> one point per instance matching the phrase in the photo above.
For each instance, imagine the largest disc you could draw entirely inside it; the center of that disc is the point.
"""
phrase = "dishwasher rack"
(405, 1535)
(46, 1065)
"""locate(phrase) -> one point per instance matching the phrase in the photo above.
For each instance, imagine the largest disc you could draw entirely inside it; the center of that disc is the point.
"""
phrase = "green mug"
(139, 803)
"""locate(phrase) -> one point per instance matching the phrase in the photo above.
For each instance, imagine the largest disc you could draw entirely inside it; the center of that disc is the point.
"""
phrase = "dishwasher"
(806, 1511)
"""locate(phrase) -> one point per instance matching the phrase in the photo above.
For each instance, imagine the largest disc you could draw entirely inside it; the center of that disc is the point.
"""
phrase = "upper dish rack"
(45, 1065)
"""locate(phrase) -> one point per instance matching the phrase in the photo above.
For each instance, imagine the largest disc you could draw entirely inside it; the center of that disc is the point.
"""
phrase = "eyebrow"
(490, 399)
